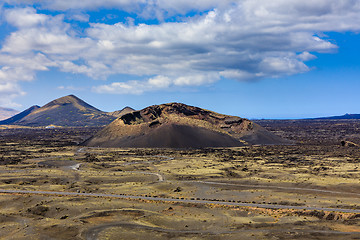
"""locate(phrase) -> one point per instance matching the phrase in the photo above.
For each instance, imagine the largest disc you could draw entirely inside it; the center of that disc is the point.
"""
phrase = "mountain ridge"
(67, 111)
(70, 99)
(341, 117)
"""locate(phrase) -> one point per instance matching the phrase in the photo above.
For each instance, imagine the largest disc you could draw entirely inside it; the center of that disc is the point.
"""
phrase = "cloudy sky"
(251, 58)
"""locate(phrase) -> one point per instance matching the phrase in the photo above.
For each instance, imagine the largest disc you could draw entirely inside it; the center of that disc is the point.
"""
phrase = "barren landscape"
(161, 119)
(53, 189)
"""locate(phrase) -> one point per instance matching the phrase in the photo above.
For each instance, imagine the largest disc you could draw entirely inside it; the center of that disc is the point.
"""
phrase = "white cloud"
(156, 83)
(146, 8)
(196, 79)
(242, 40)
(25, 17)
(135, 87)
(8, 92)
(81, 17)
(306, 56)
(159, 82)
(130, 87)
(71, 88)
(240, 75)
(30, 62)
(9, 88)
(15, 74)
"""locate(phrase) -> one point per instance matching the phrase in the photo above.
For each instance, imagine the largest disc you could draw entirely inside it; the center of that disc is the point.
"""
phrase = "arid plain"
(54, 189)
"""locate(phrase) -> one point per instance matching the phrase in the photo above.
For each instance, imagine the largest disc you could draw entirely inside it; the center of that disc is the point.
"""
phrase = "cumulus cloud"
(146, 8)
(134, 86)
(25, 17)
(9, 90)
(306, 56)
(46, 34)
(156, 83)
(241, 40)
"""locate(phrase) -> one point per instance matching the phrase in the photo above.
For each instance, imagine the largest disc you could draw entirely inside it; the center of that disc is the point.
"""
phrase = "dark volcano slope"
(68, 111)
(19, 116)
(171, 136)
(177, 125)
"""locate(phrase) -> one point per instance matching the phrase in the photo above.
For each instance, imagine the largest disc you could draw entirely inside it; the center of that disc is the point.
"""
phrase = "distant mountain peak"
(127, 108)
(346, 116)
(73, 100)
(65, 111)
(121, 112)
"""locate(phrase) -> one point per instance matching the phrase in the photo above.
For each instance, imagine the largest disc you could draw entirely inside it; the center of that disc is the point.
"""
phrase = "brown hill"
(177, 125)
(65, 111)
(121, 112)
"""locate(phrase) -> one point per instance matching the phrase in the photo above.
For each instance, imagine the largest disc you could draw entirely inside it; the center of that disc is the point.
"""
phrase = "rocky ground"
(309, 190)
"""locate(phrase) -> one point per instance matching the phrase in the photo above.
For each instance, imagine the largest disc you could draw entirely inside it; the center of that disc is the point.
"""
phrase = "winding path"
(93, 232)
(274, 187)
(161, 178)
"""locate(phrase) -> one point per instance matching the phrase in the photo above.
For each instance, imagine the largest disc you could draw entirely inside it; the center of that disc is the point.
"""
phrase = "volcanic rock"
(176, 125)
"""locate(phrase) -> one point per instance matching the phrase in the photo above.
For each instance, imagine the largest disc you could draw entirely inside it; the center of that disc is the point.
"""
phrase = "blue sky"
(250, 58)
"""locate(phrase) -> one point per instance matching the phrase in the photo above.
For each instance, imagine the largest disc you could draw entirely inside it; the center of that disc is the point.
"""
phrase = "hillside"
(64, 111)
(177, 125)
(19, 116)
(121, 112)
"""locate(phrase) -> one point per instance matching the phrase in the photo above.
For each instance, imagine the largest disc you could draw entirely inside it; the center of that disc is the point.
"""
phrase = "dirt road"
(194, 201)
